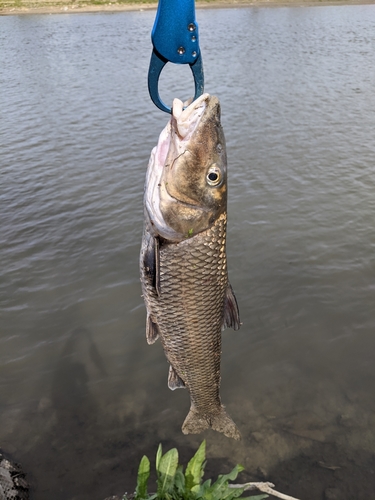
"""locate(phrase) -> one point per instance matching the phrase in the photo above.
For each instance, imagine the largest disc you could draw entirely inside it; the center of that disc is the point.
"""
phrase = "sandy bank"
(13, 7)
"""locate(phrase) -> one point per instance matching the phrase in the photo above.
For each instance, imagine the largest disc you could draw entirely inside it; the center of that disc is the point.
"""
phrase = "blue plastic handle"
(175, 39)
(175, 32)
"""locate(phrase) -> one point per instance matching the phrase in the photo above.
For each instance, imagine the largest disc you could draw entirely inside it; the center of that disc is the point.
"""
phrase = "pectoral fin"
(152, 330)
(151, 263)
(174, 380)
(231, 312)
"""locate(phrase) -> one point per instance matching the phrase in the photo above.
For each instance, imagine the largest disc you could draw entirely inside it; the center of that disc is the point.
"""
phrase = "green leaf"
(227, 493)
(220, 490)
(158, 456)
(233, 493)
(233, 474)
(206, 484)
(195, 468)
(142, 479)
(224, 478)
(166, 472)
(179, 482)
(201, 490)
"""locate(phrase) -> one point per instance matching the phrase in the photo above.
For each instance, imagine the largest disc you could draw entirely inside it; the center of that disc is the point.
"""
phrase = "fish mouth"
(188, 118)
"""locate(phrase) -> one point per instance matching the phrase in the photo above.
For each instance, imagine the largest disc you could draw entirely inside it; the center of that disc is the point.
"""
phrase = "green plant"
(175, 484)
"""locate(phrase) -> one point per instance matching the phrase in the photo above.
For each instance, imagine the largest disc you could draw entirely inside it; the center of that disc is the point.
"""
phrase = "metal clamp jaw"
(175, 39)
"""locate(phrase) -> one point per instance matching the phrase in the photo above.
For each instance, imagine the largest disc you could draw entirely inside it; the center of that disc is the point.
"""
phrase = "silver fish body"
(183, 258)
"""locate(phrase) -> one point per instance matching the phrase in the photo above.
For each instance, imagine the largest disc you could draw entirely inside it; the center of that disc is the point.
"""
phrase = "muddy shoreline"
(17, 7)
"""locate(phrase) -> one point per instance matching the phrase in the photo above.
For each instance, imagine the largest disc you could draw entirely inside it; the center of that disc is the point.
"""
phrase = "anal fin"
(174, 380)
(231, 312)
(152, 330)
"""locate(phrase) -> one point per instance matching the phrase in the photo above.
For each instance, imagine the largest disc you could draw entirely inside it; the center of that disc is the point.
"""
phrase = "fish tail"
(221, 422)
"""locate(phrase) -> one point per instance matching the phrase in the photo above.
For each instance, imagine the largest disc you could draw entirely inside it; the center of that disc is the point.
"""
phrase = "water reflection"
(70, 394)
(82, 395)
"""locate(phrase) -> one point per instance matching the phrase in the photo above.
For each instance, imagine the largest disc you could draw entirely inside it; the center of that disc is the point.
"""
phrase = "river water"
(82, 395)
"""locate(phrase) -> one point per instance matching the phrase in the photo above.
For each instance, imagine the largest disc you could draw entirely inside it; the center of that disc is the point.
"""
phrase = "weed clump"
(173, 483)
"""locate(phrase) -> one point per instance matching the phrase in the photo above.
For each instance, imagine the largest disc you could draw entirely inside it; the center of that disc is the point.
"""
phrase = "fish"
(183, 263)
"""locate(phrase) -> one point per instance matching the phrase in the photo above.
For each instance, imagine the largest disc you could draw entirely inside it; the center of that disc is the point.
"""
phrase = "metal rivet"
(194, 54)
(181, 50)
(193, 38)
(191, 27)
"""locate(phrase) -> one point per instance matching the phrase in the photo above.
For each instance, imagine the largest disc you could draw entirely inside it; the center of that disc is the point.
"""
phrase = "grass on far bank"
(61, 6)
(71, 4)
(32, 4)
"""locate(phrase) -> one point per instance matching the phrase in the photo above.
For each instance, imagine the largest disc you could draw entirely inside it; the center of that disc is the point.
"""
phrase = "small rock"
(13, 484)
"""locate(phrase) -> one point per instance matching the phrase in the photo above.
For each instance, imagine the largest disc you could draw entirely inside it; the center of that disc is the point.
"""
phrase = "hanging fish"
(183, 258)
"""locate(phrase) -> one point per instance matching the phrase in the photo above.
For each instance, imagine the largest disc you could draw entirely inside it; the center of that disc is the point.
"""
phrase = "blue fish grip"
(175, 32)
(175, 39)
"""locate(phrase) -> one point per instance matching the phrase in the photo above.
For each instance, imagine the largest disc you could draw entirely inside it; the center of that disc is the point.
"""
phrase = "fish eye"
(213, 176)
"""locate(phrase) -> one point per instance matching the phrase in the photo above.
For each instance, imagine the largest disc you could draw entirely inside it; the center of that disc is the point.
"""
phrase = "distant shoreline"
(16, 7)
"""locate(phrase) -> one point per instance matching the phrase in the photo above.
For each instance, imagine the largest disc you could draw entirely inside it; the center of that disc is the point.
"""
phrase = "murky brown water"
(82, 395)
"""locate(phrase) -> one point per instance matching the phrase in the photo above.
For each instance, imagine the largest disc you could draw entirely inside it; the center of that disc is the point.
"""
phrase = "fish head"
(191, 190)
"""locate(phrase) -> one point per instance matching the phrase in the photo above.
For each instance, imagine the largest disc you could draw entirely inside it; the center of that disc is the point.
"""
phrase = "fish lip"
(185, 121)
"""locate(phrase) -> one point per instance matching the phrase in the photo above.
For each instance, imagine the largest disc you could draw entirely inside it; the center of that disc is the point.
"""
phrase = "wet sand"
(16, 7)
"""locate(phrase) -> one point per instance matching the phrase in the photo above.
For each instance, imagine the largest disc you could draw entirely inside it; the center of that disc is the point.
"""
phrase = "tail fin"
(221, 422)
